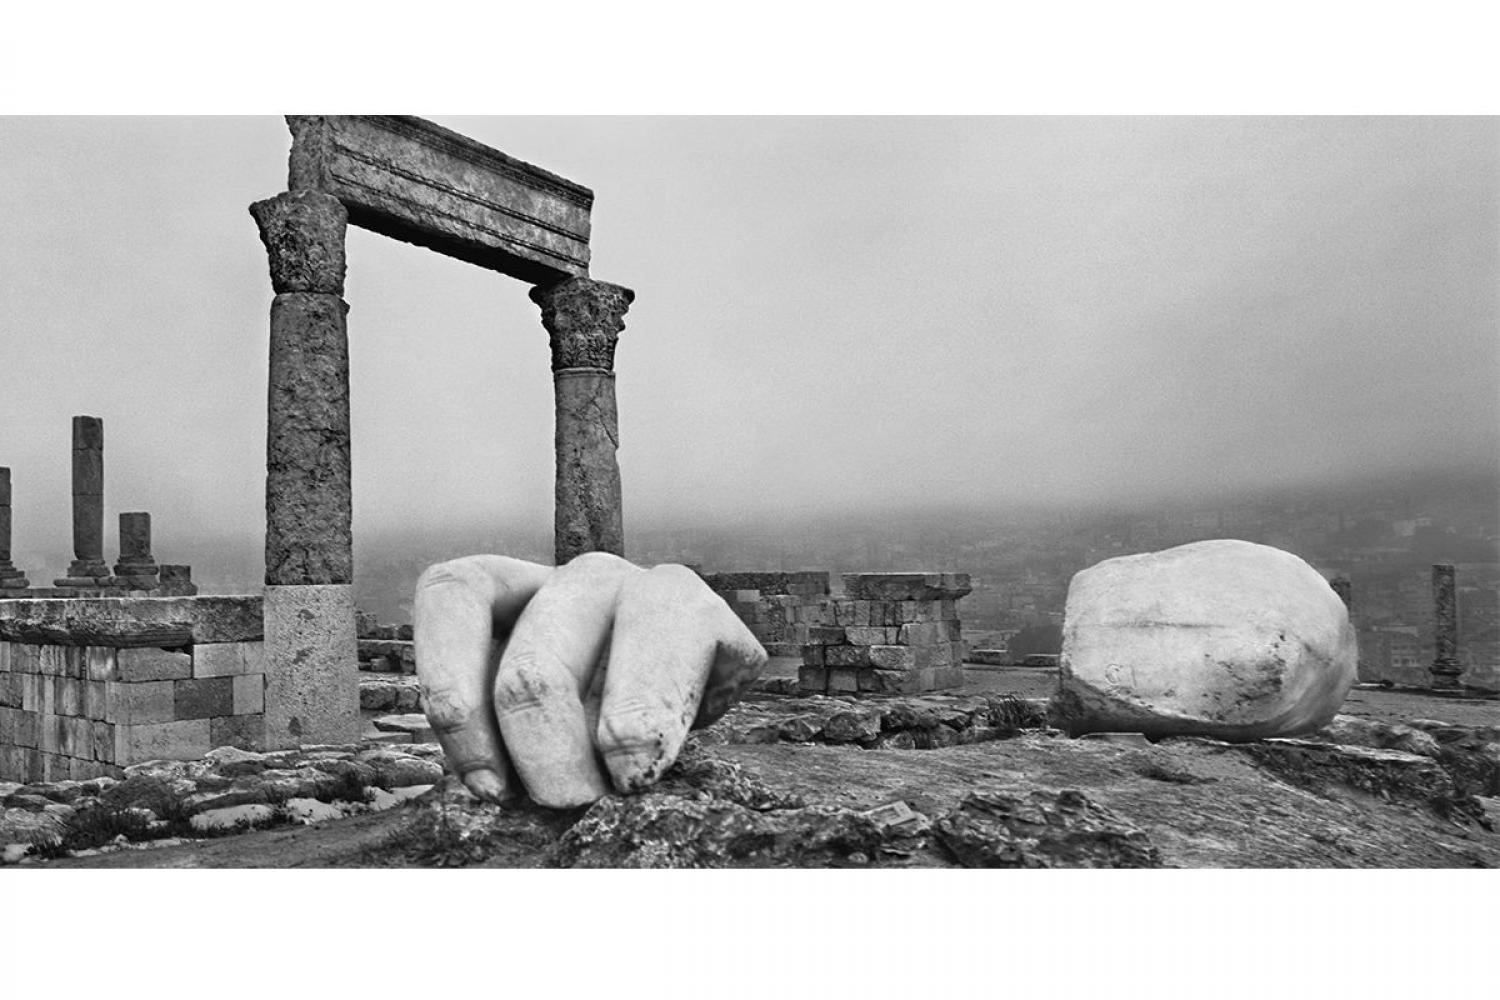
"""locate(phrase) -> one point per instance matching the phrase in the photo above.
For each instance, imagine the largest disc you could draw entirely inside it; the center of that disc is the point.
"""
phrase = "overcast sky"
(830, 313)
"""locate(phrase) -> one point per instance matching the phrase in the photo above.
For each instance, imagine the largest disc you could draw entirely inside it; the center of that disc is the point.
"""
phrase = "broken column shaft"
(583, 318)
(137, 568)
(10, 577)
(88, 568)
(1445, 667)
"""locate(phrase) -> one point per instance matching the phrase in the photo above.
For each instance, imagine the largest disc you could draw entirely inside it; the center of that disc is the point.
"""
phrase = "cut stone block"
(104, 742)
(249, 694)
(120, 622)
(203, 698)
(905, 586)
(141, 703)
(812, 680)
(228, 659)
(871, 635)
(95, 699)
(101, 663)
(185, 740)
(312, 677)
(890, 682)
(246, 732)
(846, 656)
(893, 657)
(413, 723)
(27, 725)
(147, 664)
(843, 680)
(69, 699)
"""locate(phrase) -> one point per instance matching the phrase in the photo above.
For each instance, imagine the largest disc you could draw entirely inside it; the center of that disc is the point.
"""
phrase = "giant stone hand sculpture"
(558, 676)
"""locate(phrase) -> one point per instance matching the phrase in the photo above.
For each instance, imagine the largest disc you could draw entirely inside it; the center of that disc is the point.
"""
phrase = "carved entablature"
(583, 318)
(409, 179)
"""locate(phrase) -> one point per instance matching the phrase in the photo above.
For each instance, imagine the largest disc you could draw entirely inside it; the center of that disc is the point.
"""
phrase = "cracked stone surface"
(588, 503)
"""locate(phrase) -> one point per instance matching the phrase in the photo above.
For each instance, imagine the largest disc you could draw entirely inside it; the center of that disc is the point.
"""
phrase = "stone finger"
(545, 675)
(462, 614)
(674, 639)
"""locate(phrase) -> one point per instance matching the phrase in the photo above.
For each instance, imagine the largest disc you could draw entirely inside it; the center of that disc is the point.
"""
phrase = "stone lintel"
(131, 621)
(415, 181)
(906, 586)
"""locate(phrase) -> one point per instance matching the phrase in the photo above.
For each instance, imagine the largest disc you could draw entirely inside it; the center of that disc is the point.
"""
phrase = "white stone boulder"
(1225, 639)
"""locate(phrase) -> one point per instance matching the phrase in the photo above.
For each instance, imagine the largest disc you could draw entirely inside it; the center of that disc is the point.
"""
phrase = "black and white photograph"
(753, 488)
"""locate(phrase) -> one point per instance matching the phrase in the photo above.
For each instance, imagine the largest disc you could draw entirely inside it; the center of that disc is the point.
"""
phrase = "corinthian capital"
(583, 318)
(304, 236)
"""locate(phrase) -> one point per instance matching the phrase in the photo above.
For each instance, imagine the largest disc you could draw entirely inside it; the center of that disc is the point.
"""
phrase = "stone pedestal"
(311, 666)
(12, 581)
(583, 318)
(88, 568)
(312, 693)
(1445, 667)
(137, 569)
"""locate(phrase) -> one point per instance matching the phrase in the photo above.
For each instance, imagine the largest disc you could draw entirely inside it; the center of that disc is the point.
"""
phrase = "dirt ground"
(1200, 803)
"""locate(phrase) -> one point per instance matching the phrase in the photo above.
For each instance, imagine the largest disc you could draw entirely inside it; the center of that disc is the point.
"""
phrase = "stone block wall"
(89, 686)
(781, 609)
(890, 633)
(384, 649)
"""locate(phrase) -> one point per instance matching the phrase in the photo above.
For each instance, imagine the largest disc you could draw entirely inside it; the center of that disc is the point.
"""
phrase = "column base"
(1446, 675)
(312, 665)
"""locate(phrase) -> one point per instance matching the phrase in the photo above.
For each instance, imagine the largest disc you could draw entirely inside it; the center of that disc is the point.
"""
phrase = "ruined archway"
(411, 180)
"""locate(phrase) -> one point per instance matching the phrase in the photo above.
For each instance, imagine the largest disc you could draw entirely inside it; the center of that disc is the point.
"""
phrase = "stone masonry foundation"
(891, 632)
(90, 686)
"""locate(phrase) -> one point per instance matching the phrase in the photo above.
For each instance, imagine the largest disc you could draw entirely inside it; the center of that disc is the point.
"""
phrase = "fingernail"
(486, 784)
(635, 770)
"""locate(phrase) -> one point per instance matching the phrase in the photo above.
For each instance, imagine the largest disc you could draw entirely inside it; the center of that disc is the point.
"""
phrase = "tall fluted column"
(11, 579)
(312, 693)
(584, 318)
(1445, 667)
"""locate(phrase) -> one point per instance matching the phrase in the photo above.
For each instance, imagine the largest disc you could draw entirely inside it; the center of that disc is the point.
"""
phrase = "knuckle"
(599, 559)
(447, 712)
(630, 728)
(527, 681)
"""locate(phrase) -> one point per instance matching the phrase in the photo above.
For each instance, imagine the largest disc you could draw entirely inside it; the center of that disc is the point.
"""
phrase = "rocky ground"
(978, 778)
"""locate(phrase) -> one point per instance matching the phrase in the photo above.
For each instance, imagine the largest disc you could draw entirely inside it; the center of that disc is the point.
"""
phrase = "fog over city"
(833, 317)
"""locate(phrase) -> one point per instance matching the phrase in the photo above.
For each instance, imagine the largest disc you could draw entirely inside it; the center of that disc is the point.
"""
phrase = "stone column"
(10, 577)
(312, 693)
(584, 318)
(137, 569)
(1445, 667)
(88, 568)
